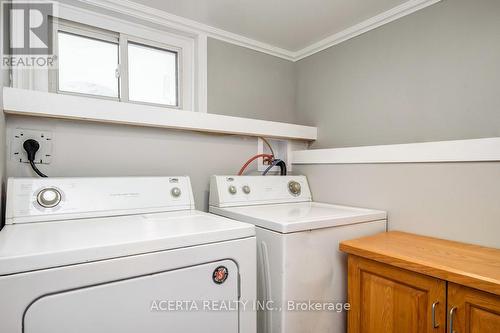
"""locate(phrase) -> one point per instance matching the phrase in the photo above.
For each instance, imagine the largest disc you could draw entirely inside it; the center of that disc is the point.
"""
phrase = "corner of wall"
(2, 142)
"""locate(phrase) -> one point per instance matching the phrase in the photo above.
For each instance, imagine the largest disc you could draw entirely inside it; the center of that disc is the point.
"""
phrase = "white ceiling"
(288, 24)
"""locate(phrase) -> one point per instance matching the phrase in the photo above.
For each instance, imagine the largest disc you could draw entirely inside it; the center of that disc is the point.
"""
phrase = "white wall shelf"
(51, 105)
(473, 150)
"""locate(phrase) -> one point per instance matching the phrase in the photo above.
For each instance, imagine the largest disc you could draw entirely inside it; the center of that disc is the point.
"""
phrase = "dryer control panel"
(230, 191)
(49, 199)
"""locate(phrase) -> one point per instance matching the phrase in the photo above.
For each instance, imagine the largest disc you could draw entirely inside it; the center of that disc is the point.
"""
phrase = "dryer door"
(185, 300)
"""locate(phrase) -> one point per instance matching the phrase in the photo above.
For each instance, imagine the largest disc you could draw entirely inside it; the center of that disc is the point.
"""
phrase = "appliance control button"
(48, 197)
(294, 187)
(176, 192)
(232, 189)
(246, 189)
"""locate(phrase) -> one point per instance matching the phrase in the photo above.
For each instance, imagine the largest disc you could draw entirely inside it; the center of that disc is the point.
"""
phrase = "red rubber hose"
(270, 157)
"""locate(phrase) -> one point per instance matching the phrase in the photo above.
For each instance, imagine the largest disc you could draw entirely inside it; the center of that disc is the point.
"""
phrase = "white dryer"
(301, 273)
(101, 255)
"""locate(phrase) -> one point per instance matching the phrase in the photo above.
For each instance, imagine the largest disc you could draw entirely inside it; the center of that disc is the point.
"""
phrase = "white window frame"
(124, 72)
(191, 45)
(122, 41)
(83, 31)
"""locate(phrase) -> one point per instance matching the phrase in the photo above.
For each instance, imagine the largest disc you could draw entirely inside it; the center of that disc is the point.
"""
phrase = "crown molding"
(179, 23)
(374, 22)
(172, 21)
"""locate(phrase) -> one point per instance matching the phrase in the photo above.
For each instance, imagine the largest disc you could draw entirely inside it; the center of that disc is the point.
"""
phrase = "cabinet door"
(474, 311)
(386, 299)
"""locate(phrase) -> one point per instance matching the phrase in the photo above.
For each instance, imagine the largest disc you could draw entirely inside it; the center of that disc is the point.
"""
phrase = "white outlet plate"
(44, 138)
(282, 150)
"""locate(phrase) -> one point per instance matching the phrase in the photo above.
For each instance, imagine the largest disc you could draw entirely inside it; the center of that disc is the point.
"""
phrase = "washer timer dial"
(48, 197)
(176, 192)
(294, 188)
(232, 189)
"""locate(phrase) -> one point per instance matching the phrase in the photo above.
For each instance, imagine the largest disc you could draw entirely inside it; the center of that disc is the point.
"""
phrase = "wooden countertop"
(469, 265)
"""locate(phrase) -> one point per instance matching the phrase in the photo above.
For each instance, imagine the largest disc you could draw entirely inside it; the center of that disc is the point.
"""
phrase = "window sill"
(51, 105)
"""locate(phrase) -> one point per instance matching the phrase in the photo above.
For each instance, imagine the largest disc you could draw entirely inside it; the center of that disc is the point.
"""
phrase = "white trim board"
(180, 23)
(51, 105)
(473, 150)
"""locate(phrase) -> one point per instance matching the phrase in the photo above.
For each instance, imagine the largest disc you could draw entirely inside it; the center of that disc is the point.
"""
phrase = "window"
(106, 64)
(152, 74)
(87, 65)
(107, 57)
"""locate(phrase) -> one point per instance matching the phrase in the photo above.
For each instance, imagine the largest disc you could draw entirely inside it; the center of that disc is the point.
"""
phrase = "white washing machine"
(301, 273)
(101, 255)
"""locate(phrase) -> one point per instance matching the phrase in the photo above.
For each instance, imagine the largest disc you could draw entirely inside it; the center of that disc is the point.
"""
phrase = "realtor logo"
(27, 34)
(27, 28)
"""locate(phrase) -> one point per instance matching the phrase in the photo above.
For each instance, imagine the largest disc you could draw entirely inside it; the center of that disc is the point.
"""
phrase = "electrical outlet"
(282, 150)
(44, 138)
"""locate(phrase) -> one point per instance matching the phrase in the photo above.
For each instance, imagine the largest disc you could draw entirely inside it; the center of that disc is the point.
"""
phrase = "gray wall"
(92, 149)
(2, 144)
(2, 149)
(432, 75)
(458, 201)
(3, 77)
(243, 82)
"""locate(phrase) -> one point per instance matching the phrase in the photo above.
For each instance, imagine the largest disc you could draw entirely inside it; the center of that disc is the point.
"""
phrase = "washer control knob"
(246, 189)
(48, 197)
(294, 188)
(232, 189)
(176, 192)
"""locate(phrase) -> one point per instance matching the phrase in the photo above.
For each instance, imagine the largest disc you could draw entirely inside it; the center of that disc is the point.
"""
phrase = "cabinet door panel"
(476, 311)
(386, 299)
(389, 306)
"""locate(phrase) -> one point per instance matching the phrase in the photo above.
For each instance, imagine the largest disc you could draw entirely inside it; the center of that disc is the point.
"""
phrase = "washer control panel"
(226, 191)
(47, 199)
(234, 190)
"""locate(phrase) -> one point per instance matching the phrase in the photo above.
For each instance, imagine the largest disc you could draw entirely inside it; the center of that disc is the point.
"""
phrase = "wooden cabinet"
(404, 283)
(386, 299)
(474, 311)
